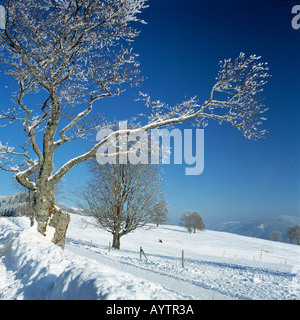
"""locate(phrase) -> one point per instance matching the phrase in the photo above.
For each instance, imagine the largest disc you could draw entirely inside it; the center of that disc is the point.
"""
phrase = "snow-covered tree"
(70, 54)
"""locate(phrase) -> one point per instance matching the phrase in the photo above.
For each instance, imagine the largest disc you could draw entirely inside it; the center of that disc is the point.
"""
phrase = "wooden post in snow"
(182, 258)
(142, 253)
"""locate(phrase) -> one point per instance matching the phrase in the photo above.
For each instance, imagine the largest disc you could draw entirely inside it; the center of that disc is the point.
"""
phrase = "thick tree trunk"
(47, 215)
(116, 241)
(44, 202)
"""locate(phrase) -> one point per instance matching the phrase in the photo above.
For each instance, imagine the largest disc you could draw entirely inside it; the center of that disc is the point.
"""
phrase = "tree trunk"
(44, 202)
(47, 214)
(45, 211)
(116, 241)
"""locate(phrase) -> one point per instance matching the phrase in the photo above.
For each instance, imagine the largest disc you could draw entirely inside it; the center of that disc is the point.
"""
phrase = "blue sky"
(180, 48)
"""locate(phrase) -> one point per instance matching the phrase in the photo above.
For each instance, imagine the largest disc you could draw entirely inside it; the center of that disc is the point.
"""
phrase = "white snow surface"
(217, 265)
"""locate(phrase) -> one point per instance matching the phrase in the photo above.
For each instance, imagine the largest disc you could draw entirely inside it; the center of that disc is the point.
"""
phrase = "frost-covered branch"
(8, 163)
(235, 98)
(69, 52)
(238, 104)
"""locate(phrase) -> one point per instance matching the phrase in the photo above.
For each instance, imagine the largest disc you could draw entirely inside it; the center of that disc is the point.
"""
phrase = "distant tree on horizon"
(192, 221)
(293, 233)
(275, 236)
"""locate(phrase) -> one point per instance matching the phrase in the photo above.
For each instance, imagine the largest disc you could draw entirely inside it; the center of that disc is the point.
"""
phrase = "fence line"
(92, 243)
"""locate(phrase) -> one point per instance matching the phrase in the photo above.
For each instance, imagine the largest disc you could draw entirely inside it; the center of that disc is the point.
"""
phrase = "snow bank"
(6, 237)
(41, 270)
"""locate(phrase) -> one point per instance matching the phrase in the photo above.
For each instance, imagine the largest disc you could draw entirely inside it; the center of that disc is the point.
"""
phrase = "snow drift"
(37, 269)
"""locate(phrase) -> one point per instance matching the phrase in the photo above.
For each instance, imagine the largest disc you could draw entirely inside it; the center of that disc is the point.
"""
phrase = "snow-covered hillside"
(218, 265)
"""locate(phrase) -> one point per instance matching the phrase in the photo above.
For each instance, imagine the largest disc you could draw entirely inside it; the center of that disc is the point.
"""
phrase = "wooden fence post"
(109, 246)
(142, 252)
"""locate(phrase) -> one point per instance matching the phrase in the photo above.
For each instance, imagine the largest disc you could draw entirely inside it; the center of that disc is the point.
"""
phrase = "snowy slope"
(218, 265)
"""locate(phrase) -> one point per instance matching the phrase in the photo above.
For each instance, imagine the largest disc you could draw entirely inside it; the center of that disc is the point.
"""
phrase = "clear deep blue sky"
(179, 49)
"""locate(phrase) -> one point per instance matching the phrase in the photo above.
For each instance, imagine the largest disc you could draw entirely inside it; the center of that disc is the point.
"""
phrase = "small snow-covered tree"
(71, 54)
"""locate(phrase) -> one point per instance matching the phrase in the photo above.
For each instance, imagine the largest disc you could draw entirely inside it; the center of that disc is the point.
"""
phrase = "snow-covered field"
(217, 265)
